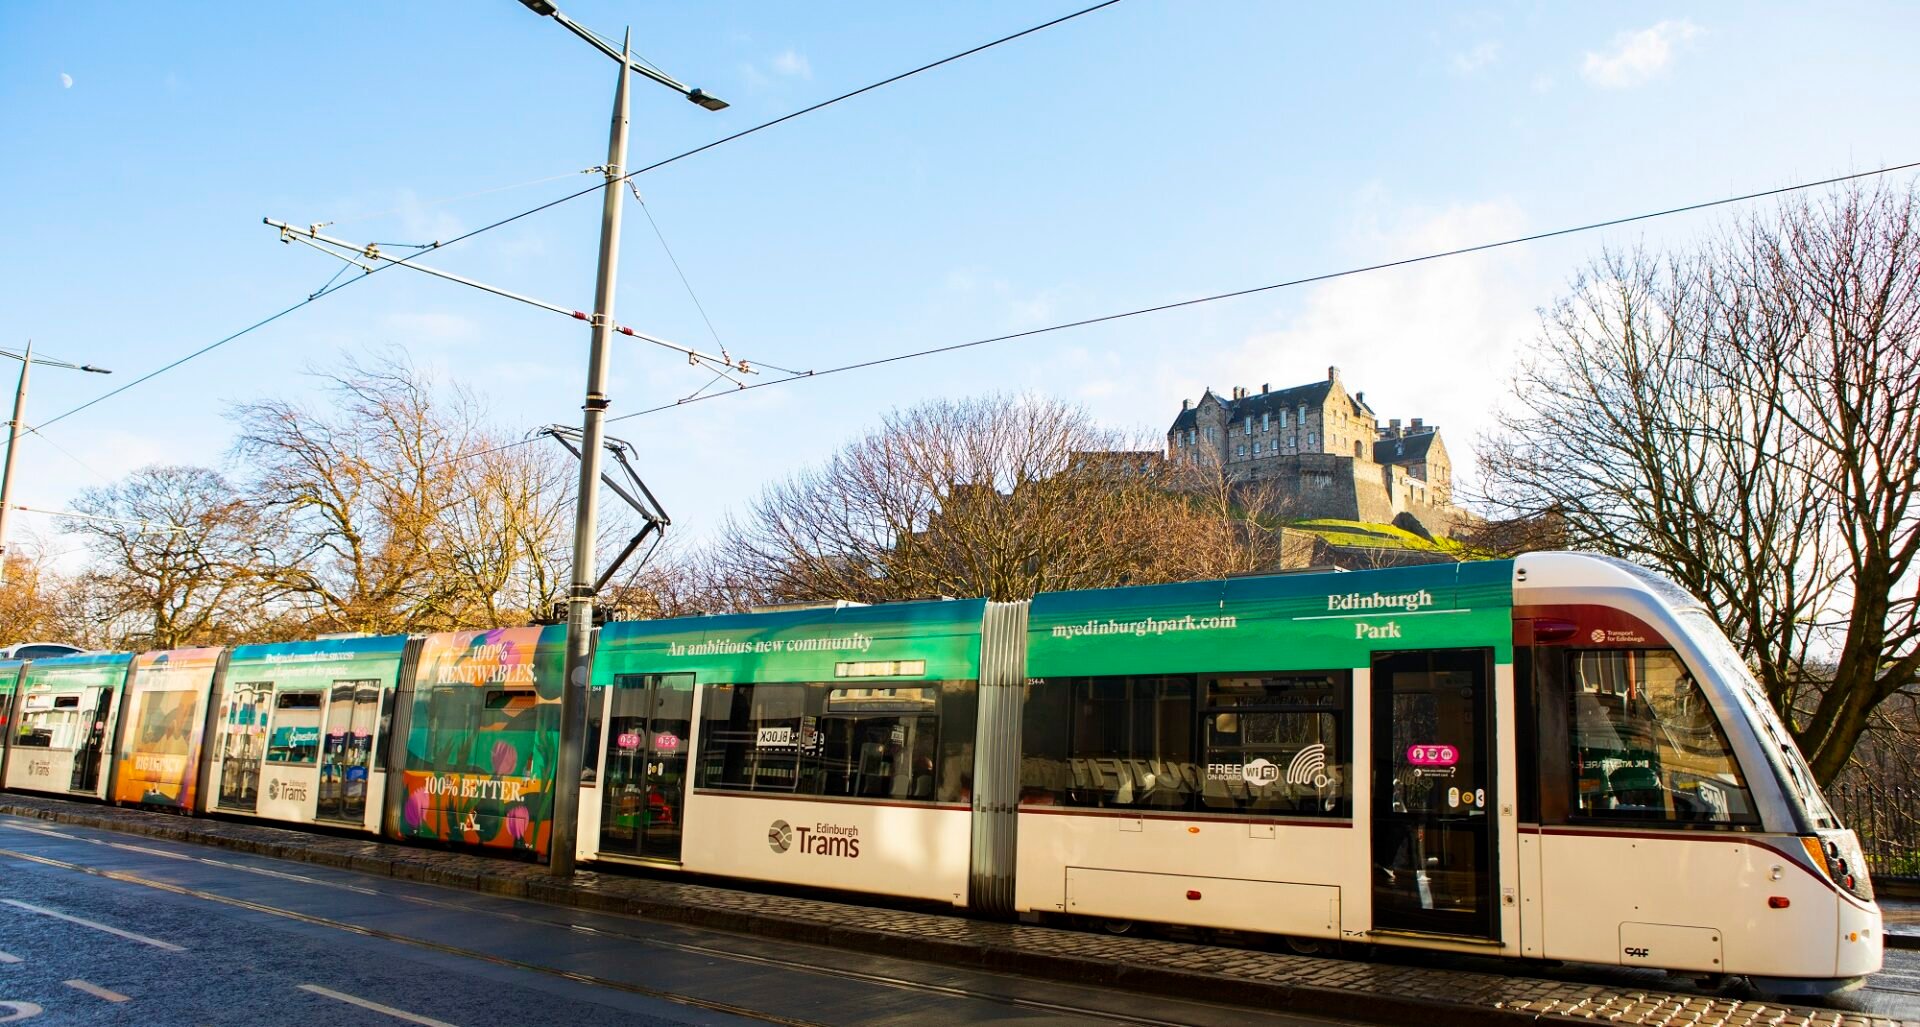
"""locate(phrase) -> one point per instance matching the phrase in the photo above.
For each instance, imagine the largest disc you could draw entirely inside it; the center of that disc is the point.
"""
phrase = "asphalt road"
(99, 929)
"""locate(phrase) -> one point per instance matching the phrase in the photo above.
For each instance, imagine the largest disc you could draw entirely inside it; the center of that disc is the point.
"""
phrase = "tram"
(1554, 757)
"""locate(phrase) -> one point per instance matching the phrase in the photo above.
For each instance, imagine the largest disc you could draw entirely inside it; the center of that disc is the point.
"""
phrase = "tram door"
(92, 753)
(346, 750)
(644, 774)
(243, 740)
(1433, 793)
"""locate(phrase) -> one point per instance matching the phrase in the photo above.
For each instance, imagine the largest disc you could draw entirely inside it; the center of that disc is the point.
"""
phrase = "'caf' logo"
(273, 789)
(780, 836)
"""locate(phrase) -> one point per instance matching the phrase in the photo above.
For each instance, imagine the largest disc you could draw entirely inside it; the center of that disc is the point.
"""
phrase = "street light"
(16, 426)
(580, 590)
(547, 10)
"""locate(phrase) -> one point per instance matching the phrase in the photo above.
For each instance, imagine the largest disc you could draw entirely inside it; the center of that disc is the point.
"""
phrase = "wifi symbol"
(1307, 765)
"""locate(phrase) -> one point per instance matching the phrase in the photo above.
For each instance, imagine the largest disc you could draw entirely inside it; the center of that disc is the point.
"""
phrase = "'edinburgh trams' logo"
(815, 840)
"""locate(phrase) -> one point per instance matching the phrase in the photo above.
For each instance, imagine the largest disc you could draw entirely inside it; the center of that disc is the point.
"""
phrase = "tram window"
(385, 730)
(1276, 744)
(1646, 745)
(49, 722)
(880, 740)
(295, 733)
(1262, 744)
(590, 759)
(1124, 742)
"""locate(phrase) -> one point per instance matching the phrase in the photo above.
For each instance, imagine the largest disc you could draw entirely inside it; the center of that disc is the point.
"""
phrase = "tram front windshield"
(1726, 661)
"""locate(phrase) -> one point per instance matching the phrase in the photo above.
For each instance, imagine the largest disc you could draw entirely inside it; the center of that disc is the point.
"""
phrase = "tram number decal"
(1432, 755)
(1638, 953)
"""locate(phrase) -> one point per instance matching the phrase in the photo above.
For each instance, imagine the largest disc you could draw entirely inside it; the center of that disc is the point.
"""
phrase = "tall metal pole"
(573, 699)
(14, 430)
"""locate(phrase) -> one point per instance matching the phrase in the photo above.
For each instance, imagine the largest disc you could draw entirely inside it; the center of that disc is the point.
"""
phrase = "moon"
(66, 81)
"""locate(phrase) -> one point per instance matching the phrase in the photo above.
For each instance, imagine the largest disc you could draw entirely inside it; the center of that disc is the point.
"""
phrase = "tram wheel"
(1117, 926)
(1306, 946)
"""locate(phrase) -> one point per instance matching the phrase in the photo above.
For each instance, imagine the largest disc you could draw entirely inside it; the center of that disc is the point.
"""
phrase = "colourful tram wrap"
(1554, 757)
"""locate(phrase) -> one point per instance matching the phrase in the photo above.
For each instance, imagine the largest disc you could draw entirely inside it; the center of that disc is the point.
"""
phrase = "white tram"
(1556, 757)
(1553, 757)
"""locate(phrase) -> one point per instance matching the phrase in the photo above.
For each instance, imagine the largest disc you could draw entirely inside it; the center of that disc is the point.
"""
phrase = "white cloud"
(1471, 61)
(1638, 56)
(793, 64)
(1433, 340)
(66, 81)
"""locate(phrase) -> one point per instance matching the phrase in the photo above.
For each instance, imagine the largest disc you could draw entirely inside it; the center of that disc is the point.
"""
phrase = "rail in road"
(1433, 990)
(162, 932)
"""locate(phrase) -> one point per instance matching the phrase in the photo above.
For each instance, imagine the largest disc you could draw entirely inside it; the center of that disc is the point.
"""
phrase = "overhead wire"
(675, 261)
(503, 222)
(1217, 297)
(1290, 283)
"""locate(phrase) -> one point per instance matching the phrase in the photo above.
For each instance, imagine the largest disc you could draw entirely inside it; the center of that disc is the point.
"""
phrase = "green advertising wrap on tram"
(1282, 622)
(484, 738)
(848, 701)
(63, 726)
(943, 638)
(299, 724)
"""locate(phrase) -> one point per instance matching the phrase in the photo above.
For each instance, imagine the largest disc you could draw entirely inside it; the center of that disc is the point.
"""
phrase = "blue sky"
(1149, 152)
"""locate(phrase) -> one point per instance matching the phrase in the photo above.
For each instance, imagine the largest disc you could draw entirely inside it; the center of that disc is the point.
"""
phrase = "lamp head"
(541, 8)
(707, 100)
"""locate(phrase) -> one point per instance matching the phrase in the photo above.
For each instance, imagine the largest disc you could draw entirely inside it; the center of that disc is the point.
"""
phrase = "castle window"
(1210, 435)
(1256, 448)
(1239, 451)
(1312, 440)
(1283, 418)
(1248, 425)
(1189, 436)
(1265, 423)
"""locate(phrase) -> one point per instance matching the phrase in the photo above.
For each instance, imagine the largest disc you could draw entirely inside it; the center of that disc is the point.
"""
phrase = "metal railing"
(1887, 819)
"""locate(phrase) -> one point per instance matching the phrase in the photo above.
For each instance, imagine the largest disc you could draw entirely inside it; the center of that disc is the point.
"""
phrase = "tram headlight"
(1839, 856)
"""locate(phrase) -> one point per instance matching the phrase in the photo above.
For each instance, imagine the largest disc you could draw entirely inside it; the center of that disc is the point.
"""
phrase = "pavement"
(1395, 988)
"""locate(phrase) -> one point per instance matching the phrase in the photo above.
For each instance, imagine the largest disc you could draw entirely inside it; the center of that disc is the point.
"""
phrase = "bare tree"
(1000, 497)
(403, 511)
(1743, 417)
(176, 558)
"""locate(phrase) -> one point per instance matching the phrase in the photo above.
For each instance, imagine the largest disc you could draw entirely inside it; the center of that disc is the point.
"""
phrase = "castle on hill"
(1324, 452)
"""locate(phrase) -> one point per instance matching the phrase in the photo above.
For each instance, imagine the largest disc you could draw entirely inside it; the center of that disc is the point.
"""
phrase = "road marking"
(8, 957)
(150, 852)
(42, 830)
(129, 935)
(17, 1011)
(398, 1014)
(95, 990)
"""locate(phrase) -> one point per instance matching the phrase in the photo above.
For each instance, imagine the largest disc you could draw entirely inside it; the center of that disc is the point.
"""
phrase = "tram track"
(705, 951)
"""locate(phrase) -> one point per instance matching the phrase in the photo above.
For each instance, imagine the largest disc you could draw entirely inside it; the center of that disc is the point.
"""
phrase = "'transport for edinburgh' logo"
(780, 836)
